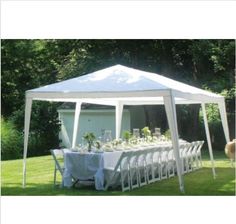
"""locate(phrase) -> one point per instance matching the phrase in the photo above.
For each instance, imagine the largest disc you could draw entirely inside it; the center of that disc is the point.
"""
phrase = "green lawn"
(40, 180)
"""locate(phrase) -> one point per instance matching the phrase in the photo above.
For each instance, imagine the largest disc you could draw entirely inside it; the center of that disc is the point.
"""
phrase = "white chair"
(133, 169)
(196, 158)
(189, 157)
(171, 162)
(193, 154)
(157, 166)
(57, 155)
(149, 165)
(164, 162)
(199, 154)
(141, 166)
(183, 155)
(122, 169)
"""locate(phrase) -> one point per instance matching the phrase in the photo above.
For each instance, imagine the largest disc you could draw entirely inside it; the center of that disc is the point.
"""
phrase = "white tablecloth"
(84, 166)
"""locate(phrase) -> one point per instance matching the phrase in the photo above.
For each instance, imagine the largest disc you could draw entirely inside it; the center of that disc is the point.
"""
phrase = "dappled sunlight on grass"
(228, 186)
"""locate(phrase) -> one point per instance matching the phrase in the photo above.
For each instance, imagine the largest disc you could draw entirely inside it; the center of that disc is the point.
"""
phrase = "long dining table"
(91, 165)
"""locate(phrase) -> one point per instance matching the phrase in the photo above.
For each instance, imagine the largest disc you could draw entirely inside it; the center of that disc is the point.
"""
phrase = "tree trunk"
(194, 128)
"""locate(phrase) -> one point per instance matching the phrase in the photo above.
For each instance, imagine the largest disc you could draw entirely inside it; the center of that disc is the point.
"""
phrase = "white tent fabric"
(118, 86)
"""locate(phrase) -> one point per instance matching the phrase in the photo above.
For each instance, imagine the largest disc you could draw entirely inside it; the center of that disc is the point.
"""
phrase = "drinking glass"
(107, 136)
(136, 132)
(157, 132)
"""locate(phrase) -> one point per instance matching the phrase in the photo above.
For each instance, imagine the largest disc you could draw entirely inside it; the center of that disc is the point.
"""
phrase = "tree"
(27, 64)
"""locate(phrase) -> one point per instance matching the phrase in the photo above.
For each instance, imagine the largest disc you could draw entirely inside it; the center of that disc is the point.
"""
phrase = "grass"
(40, 180)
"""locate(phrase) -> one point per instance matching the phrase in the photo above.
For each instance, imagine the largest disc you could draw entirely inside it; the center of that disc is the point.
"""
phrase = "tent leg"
(208, 140)
(28, 105)
(119, 111)
(224, 121)
(76, 123)
(172, 121)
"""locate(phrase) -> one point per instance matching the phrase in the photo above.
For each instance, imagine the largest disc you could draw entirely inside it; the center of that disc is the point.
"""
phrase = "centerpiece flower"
(146, 132)
(89, 137)
(127, 135)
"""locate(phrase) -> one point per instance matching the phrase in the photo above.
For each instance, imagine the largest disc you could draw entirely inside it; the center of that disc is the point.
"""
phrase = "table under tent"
(119, 86)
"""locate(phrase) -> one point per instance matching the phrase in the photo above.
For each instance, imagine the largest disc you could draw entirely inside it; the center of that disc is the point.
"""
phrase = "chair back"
(200, 144)
(122, 164)
(56, 153)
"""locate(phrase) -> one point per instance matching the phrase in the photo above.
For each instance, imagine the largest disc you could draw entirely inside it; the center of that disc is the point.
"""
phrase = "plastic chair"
(199, 154)
(171, 163)
(157, 164)
(189, 157)
(149, 165)
(121, 168)
(184, 155)
(133, 169)
(56, 155)
(164, 162)
(141, 166)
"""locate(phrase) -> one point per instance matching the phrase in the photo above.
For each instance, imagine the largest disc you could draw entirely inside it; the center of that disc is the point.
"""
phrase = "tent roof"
(121, 83)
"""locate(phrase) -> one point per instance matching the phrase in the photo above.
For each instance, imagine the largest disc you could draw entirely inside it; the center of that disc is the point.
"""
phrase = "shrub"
(11, 141)
(215, 127)
(44, 127)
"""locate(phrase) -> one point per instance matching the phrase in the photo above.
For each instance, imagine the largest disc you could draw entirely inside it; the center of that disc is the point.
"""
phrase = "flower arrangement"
(146, 132)
(167, 134)
(98, 144)
(89, 137)
(127, 135)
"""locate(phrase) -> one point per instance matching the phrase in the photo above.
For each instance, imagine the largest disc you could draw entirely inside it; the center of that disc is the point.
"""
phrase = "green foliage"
(146, 132)
(167, 134)
(127, 135)
(44, 127)
(89, 137)
(215, 126)
(11, 141)
(27, 64)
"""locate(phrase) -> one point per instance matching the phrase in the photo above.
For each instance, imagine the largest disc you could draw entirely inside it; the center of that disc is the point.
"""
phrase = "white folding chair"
(121, 168)
(149, 165)
(141, 166)
(194, 155)
(199, 154)
(189, 157)
(157, 166)
(133, 169)
(57, 155)
(164, 162)
(171, 162)
(183, 155)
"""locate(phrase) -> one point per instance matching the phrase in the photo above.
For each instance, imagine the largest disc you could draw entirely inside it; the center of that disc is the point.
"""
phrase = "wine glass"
(107, 136)
(136, 132)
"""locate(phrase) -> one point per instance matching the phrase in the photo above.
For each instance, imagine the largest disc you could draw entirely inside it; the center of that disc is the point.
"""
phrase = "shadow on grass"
(199, 182)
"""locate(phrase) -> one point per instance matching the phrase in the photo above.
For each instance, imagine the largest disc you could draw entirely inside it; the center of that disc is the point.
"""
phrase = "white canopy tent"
(118, 86)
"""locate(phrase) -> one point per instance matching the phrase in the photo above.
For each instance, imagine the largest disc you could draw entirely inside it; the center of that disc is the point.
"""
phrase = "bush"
(11, 141)
(215, 127)
(44, 127)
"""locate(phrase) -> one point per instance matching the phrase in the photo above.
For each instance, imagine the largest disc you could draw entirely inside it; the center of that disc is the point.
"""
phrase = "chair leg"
(200, 158)
(150, 174)
(134, 178)
(198, 161)
(171, 170)
(142, 175)
(123, 177)
(55, 176)
(164, 170)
